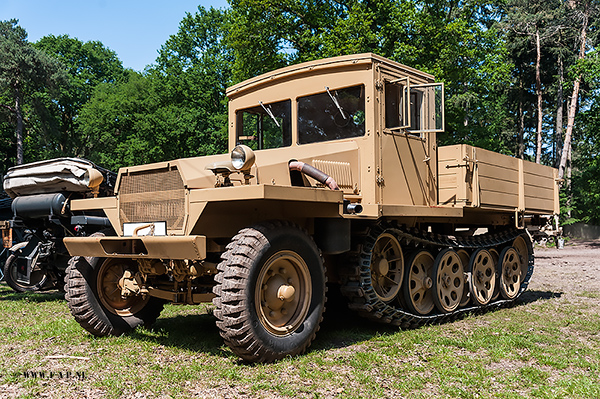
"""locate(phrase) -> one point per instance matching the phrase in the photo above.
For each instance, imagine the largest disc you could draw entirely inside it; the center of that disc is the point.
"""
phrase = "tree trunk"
(559, 112)
(19, 131)
(538, 92)
(573, 105)
(568, 186)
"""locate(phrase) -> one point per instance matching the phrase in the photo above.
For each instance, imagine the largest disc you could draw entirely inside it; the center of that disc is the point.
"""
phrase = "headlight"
(242, 157)
(93, 178)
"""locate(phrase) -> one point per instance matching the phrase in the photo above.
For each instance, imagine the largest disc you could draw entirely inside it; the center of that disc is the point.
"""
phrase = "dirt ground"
(573, 270)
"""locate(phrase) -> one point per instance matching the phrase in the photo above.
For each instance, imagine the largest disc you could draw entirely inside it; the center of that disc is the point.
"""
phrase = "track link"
(356, 276)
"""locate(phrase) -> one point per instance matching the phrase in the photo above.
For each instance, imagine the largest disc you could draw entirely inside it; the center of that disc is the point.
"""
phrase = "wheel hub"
(383, 267)
(286, 293)
(283, 294)
(117, 288)
(428, 282)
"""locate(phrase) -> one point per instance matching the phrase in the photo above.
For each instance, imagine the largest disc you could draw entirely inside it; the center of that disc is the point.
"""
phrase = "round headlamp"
(242, 157)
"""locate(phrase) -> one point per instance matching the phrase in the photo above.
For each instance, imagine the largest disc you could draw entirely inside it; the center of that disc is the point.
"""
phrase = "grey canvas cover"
(50, 176)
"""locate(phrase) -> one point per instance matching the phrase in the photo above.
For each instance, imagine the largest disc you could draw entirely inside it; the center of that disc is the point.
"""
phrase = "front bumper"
(142, 247)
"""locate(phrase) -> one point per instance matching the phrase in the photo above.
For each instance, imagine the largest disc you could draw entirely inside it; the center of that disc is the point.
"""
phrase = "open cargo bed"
(474, 177)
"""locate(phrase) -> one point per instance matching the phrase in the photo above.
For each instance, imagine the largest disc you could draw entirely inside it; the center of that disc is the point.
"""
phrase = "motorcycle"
(41, 194)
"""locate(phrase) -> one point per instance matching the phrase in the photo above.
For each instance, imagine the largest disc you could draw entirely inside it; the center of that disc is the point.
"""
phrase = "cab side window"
(265, 126)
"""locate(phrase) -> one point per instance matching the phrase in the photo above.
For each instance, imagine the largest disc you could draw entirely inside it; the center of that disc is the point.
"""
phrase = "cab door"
(411, 113)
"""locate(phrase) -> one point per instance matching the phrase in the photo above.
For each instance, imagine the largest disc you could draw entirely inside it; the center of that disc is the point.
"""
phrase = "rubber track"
(356, 279)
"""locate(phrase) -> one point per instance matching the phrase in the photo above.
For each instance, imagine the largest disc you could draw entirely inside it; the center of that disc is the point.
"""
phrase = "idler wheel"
(418, 283)
(448, 281)
(483, 276)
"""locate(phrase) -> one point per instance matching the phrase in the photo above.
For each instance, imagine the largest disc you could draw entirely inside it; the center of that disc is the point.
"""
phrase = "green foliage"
(584, 193)
(177, 108)
(24, 73)
(88, 64)
(452, 40)
(483, 50)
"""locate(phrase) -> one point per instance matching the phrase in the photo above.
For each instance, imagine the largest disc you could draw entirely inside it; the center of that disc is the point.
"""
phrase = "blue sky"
(134, 29)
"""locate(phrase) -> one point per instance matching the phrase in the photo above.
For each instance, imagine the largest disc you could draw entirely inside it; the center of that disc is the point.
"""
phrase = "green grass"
(544, 348)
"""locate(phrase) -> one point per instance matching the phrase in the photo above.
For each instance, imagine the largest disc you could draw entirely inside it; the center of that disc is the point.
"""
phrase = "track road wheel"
(270, 292)
(448, 281)
(495, 259)
(465, 258)
(38, 279)
(520, 244)
(387, 267)
(93, 293)
(418, 283)
(510, 273)
(483, 277)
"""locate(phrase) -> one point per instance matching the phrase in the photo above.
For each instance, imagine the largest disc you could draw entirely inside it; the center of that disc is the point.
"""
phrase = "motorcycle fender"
(18, 246)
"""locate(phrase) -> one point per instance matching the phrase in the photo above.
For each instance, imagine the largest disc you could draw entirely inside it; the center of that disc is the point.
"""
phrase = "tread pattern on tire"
(232, 311)
(77, 294)
(79, 305)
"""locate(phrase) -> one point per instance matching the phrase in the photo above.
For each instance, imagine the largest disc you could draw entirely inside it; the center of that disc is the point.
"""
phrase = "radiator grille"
(153, 196)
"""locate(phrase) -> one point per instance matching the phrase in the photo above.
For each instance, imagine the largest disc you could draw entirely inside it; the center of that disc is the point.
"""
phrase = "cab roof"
(325, 64)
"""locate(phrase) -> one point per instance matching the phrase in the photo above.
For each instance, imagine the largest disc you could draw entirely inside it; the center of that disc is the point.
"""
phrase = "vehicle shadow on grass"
(194, 332)
(7, 294)
(340, 328)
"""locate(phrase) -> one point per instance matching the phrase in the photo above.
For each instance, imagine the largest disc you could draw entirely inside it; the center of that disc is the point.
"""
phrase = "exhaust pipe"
(315, 173)
(352, 207)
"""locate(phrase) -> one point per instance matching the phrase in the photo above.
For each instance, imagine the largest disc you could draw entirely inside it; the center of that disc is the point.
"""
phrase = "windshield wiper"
(269, 112)
(335, 101)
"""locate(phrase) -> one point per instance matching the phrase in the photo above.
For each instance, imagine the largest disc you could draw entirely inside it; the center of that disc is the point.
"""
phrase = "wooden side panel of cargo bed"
(474, 177)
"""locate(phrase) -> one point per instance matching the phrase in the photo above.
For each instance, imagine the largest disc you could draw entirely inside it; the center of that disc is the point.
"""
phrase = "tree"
(534, 20)
(177, 108)
(24, 70)
(88, 64)
(454, 40)
(584, 12)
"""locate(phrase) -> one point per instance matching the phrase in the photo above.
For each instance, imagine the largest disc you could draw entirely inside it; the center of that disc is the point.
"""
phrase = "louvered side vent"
(340, 171)
(153, 196)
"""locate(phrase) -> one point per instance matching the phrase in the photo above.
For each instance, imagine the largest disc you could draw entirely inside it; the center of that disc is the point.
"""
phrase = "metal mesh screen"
(153, 196)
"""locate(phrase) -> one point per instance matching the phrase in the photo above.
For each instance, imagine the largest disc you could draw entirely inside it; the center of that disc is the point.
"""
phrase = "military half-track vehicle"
(334, 175)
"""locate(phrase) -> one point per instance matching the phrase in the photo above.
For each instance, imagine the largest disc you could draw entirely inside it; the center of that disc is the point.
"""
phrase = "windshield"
(331, 115)
(265, 126)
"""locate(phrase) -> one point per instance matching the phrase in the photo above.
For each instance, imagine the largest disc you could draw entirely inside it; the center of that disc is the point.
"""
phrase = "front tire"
(270, 292)
(39, 279)
(90, 287)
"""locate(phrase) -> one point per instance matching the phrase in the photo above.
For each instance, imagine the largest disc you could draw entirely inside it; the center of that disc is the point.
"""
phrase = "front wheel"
(270, 292)
(94, 297)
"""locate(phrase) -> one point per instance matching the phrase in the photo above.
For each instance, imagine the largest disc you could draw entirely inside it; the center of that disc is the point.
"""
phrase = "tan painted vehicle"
(334, 176)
